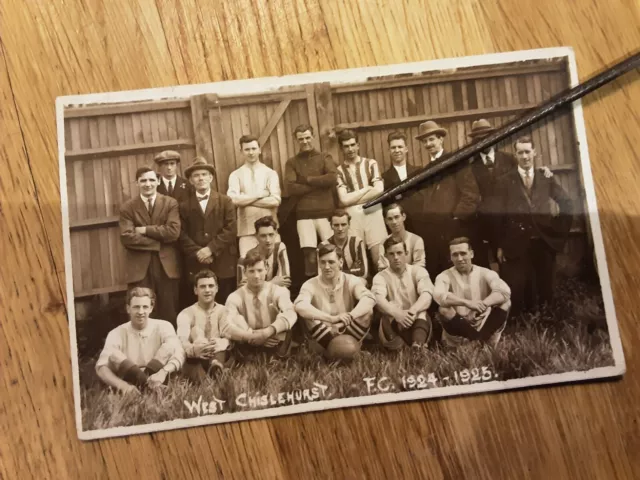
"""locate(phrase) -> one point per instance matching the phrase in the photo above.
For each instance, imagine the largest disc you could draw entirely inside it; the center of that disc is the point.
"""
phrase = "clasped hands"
(264, 336)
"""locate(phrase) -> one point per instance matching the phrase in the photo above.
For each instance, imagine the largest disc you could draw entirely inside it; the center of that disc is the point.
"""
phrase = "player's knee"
(506, 306)
(447, 312)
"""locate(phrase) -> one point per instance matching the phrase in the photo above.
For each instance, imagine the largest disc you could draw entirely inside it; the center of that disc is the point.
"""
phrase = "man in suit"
(399, 171)
(209, 229)
(528, 235)
(170, 183)
(487, 167)
(449, 202)
(149, 230)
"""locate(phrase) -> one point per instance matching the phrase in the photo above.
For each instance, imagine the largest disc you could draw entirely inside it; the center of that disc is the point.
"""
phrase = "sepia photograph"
(221, 265)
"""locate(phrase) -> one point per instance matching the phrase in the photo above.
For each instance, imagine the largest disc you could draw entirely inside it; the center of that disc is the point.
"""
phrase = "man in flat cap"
(487, 167)
(449, 202)
(170, 183)
(209, 229)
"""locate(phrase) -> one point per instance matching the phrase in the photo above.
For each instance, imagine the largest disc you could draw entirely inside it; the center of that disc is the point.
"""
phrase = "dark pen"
(531, 116)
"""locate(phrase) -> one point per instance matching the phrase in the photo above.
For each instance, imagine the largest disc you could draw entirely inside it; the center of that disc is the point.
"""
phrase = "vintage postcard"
(220, 266)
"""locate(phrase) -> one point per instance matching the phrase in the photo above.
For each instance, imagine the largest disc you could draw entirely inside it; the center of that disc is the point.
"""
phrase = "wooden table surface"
(51, 48)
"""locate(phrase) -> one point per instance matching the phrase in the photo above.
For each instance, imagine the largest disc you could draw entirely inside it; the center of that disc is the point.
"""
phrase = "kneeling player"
(260, 313)
(474, 301)
(143, 351)
(403, 295)
(336, 307)
(200, 327)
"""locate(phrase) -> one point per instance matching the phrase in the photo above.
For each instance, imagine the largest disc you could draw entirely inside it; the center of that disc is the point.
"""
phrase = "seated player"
(260, 313)
(276, 260)
(335, 306)
(403, 294)
(354, 254)
(142, 352)
(199, 329)
(395, 218)
(474, 301)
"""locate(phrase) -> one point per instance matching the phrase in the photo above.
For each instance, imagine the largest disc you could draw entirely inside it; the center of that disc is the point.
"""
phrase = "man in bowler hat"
(450, 202)
(208, 235)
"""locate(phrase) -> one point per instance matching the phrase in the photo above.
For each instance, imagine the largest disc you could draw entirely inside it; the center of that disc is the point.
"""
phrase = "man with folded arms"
(474, 301)
(200, 327)
(403, 294)
(395, 217)
(335, 304)
(142, 352)
(260, 313)
(254, 189)
(354, 253)
(276, 260)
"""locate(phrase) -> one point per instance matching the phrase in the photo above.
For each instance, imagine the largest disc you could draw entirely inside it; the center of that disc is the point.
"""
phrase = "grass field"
(569, 336)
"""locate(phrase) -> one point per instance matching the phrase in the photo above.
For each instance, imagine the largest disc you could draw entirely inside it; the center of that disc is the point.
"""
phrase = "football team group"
(210, 280)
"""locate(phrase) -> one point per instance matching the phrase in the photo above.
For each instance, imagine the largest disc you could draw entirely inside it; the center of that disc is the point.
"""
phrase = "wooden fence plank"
(441, 117)
(219, 153)
(126, 108)
(273, 121)
(130, 149)
(310, 90)
(201, 127)
(438, 77)
(93, 223)
(326, 120)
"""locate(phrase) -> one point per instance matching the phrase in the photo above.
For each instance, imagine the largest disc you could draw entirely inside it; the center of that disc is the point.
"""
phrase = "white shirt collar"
(523, 173)
(491, 155)
(402, 171)
(145, 200)
(199, 196)
(145, 332)
(437, 155)
(171, 181)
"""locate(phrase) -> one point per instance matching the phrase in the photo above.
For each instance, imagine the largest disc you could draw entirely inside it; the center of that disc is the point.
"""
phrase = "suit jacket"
(487, 180)
(163, 231)
(454, 194)
(525, 215)
(181, 190)
(215, 228)
(411, 201)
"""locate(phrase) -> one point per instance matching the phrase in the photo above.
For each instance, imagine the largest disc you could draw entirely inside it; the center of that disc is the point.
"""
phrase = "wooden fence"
(106, 143)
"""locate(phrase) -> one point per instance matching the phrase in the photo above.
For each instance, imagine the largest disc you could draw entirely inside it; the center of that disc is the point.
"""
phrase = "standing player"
(170, 183)
(395, 217)
(474, 301)
(336, 307)
(403, 295)
(310, 177)
(254, 189)
(359, 181)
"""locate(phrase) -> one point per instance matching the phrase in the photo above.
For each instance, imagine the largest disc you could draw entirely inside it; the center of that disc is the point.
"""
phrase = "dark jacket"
(163, 230)
(411, 201)
(181, 190)
(216, 228)
(524, 216)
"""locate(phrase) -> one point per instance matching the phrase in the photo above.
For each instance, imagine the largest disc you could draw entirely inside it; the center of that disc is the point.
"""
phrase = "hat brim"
(440, 131)
(482, 133)
(162, 160)
(189, 171)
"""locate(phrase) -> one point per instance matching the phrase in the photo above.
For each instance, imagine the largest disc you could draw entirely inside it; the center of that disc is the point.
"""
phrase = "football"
(342, 347)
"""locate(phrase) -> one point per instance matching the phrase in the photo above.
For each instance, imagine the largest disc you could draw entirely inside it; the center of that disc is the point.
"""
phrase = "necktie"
(528, 180)
(150, 206)
(257, 307)
(170, 189)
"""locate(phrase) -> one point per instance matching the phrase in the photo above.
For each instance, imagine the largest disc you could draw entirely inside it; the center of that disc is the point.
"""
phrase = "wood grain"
(58, 48)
